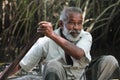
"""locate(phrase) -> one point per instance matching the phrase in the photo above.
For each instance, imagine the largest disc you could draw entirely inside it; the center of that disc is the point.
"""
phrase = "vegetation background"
(19, 19)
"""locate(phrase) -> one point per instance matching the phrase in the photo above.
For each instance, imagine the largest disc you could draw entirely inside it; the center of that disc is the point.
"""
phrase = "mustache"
(74, 31)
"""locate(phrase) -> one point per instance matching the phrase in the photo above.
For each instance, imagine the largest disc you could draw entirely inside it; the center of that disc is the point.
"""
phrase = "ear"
(60, 23)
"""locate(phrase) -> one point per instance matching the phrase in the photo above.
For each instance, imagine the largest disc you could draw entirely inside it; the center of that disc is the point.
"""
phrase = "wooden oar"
(12, 66)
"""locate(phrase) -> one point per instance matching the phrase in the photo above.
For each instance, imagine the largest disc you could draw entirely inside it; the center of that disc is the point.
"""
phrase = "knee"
(53, 66)
(110, 60)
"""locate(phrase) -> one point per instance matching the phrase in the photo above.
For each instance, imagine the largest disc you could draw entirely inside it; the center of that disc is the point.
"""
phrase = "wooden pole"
(12, 66)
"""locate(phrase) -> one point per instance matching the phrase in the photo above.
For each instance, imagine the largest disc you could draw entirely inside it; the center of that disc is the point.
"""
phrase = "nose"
(76, 26)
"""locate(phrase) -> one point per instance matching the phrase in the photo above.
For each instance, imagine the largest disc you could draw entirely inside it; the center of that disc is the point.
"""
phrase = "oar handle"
(12, 66)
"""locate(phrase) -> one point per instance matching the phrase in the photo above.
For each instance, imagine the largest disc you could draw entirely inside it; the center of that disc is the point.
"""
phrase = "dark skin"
(68, 47)
(74, 22)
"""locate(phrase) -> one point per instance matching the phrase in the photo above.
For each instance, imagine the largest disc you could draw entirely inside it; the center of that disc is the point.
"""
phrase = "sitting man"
(67, 50)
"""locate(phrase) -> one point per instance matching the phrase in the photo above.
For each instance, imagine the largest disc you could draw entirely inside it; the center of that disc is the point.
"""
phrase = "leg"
(103, 68)
(54, 71)
(116, 74)
(106, 67)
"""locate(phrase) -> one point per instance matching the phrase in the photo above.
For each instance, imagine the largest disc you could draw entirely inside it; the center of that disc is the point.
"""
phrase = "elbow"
(80, 55)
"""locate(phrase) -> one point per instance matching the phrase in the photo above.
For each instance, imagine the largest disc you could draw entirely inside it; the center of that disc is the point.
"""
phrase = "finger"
(42, 22)
(42, 32)
(41, 29)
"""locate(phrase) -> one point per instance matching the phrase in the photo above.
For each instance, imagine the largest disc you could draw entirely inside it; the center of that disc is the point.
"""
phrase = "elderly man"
(66, 50)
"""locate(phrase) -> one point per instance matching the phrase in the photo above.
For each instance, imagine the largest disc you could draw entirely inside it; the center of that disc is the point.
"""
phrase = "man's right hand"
(45, 28)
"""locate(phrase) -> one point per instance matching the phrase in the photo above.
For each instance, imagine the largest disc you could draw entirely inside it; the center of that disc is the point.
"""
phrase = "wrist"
(52, 35)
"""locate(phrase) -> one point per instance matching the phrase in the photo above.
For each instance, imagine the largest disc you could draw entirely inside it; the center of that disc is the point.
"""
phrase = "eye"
(80, 23)
(70, 22)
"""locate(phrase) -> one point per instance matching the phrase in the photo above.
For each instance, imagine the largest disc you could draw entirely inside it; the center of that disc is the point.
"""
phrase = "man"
(66, 50)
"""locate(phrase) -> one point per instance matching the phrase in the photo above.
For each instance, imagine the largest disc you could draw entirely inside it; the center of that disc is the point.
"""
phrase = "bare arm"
(68, 47)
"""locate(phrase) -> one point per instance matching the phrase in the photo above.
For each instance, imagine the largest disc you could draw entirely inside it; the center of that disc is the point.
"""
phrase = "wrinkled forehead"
(74, 16)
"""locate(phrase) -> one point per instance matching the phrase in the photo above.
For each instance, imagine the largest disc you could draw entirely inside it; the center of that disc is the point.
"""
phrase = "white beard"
(67, 35)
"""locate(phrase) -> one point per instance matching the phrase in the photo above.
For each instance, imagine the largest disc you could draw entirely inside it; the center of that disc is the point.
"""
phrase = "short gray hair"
(65, 13)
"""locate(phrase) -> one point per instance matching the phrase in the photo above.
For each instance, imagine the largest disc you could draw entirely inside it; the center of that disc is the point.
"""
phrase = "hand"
(45, 28)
